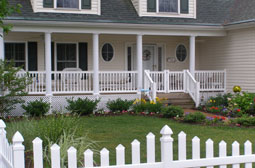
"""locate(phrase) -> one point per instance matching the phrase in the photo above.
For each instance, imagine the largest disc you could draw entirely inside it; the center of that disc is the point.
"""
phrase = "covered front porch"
(113, 62)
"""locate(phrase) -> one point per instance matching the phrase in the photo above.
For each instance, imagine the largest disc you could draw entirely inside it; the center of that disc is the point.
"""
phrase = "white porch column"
(1, 44)
(48, 63)
(96, 64)
(139, 50)
(192, 54)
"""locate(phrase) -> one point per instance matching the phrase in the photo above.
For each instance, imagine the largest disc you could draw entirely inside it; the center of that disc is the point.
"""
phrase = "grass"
(113, 130)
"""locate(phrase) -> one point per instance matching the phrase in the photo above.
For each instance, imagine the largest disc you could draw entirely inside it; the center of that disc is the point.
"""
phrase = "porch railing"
(150, 86)
(211, 80)
(117, 81)
(72, 82)
(168, 81)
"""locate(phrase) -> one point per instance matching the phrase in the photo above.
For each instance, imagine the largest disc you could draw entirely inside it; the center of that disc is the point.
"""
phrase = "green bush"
(119, 105)
(153, 107)
(172, 111)
(82, 106)
(196, 117)
(219, 100)
(245, 121)
(139, 107)
(242, 101)
(36, 108)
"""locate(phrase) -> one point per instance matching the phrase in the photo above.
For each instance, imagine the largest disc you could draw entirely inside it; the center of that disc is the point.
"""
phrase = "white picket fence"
(12, 156)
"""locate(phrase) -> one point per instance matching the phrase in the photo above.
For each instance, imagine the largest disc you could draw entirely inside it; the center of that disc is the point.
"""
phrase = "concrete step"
(178, 99)
(173, 95)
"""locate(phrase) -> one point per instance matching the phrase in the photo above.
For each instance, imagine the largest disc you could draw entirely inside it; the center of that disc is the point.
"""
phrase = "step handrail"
(193, 87)
(150, 86)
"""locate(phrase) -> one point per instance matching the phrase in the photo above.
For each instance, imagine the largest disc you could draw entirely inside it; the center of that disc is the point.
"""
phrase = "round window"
(181, 53)
(107, 52)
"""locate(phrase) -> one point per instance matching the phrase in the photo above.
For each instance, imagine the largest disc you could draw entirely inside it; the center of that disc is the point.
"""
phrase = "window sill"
(67, 9)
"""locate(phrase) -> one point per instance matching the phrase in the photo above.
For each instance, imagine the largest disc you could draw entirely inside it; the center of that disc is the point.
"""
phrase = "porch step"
(177, 99)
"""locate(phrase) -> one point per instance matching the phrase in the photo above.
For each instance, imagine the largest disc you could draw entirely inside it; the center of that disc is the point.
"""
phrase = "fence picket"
(104, 153)
(55, 156)
(182, 146)
(236, 152)
(38, 153)
(72, 157)
(135, 152)
(150, 148)
(248, 151)
(209, 150)
(88, 158)
(223, 151)
(120, 155)
(18, 151)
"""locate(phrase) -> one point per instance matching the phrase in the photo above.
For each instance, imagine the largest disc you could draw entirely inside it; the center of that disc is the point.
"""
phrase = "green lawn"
(111, 131)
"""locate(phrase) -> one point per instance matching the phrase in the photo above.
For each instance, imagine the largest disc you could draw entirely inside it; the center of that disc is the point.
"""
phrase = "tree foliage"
(6, 10)
(12, 86)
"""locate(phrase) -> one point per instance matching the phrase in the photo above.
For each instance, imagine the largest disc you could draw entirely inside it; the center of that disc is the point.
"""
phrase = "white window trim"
(26, 51)
(178, 8)
(55, 53)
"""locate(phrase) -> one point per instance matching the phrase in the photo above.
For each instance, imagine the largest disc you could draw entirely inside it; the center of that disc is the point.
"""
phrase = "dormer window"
(168, 6)
(68, 4)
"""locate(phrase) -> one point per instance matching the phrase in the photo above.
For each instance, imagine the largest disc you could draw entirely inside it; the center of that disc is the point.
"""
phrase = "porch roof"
(209, 13)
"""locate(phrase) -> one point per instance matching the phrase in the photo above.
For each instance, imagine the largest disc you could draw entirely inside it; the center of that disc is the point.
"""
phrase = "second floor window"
(68, 4)
(168, 5)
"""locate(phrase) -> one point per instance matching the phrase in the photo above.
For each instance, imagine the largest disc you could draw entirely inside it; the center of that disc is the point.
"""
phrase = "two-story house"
(120, 48)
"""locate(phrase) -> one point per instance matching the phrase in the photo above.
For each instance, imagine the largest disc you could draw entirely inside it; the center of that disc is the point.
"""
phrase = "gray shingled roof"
(209, 12)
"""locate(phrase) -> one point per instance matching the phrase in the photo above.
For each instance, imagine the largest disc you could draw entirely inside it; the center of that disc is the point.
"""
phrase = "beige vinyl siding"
(119, 43)
(235, 52)
(136, 5)
(95, 8)
(191, 14)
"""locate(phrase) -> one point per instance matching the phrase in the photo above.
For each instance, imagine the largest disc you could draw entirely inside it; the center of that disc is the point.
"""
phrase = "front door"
(149, 57)
(152, 57)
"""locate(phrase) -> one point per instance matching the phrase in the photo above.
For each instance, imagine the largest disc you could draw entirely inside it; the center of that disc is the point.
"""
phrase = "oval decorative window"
(107, 52)
(181, 53)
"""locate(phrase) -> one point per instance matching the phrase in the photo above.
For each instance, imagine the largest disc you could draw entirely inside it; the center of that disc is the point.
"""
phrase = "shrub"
(82, 106)
(219, 100)
(245, 121)
(196, 117)
(153, 107)
(139, 105)
(12, 87)
(119, 105)
(172, 111)
(242, 101)
(36, 108)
